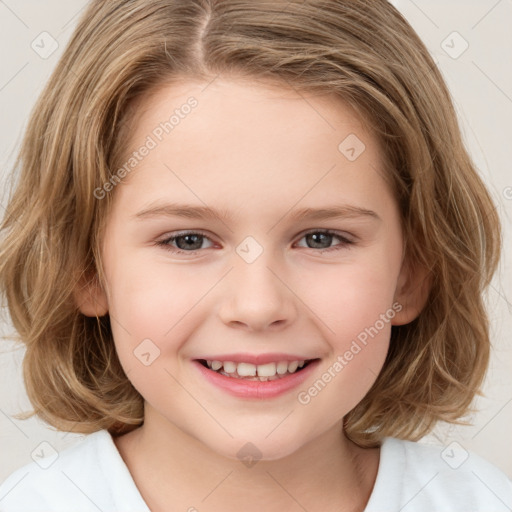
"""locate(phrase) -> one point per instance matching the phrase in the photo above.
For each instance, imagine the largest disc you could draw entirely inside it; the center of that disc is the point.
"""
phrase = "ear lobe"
(412, 292)
(90, 297)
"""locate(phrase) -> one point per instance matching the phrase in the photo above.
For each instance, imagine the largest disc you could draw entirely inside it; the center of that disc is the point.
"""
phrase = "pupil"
(315, 236)
(190, 241)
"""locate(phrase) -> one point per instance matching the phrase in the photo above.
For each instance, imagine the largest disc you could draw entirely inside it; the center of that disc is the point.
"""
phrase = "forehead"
(241, 101)
(239, 139)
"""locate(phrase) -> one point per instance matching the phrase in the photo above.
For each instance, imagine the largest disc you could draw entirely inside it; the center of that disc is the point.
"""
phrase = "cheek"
(357, 316)
(352, 298)
(355, 305)
(151, 302)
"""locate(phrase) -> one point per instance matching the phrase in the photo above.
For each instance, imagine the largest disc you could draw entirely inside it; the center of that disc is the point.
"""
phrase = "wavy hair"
(365, 53)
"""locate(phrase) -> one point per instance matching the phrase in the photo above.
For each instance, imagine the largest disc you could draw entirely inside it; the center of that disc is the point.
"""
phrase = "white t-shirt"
(91, 476)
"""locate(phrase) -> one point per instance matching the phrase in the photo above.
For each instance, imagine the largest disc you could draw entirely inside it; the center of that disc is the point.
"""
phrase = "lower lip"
(255, 389)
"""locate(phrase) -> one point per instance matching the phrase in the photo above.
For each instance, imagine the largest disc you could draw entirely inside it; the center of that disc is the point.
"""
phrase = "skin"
(260, 152)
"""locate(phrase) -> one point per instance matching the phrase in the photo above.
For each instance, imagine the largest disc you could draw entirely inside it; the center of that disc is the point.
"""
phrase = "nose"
(255, 297)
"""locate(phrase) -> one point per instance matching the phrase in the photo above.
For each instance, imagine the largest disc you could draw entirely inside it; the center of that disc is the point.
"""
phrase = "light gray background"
(480, 80)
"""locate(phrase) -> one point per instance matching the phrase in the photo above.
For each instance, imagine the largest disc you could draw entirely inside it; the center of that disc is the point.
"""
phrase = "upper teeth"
(250, 370)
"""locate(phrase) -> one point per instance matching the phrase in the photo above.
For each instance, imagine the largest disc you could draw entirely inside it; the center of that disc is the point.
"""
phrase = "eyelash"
(165, 244)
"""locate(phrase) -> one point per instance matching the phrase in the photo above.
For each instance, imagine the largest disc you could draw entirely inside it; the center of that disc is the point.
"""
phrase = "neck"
(170, 467)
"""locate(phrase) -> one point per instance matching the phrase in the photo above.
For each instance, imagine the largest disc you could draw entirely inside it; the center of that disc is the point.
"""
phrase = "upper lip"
(256, 359)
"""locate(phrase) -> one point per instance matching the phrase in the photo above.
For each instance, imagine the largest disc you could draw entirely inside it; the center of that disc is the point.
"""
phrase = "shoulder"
(88, 476)
(418, 477)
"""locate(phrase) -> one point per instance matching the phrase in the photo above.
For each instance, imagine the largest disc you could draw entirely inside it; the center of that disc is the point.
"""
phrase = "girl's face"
(254, 225)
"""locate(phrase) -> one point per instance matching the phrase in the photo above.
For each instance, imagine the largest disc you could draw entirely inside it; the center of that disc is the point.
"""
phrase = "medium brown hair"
(362, 51)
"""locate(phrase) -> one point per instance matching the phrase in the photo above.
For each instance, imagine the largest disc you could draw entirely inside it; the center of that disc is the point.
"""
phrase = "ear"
(412, 291)
(90, 297)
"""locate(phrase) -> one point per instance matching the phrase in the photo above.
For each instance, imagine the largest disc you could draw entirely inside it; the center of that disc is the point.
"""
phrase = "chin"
(250, 450)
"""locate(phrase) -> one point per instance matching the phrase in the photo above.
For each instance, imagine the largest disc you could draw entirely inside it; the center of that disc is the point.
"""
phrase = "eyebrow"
(206, 213)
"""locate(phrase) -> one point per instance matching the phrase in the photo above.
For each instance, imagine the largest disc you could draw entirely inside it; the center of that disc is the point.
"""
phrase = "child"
(261, 369)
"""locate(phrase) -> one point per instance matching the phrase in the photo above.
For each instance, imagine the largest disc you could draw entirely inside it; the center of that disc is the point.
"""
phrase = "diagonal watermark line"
(293, 410)
(372, 372)
(70, 430)
(486, 14)
(437, 437)
(487, 423)
(300, 300)
(85, 494)
(14, 76)
(217, 486)
(70, 69)
(73, 17)
(12, 488)
(210, 82)
(311, 106)
(183, 316)
(509, 506)
(199, 403)
(7, 416)
(424, 14)
(9, 217)
(165, 165)
(112, 317)
(269, 24)
(502, 297)
(300, 199)
(13, 13)
(291, 496)
(492, 81)
(119, 323)
(409, 501)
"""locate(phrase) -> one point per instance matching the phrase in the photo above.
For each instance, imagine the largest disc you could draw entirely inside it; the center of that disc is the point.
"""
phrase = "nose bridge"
(254, 296)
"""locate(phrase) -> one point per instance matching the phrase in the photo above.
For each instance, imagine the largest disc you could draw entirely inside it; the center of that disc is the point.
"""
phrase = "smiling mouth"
(262, 373)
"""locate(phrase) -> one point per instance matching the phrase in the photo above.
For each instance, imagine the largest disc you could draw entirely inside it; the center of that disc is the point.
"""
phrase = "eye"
(322, 239)
(191, 242)
(185, 243)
